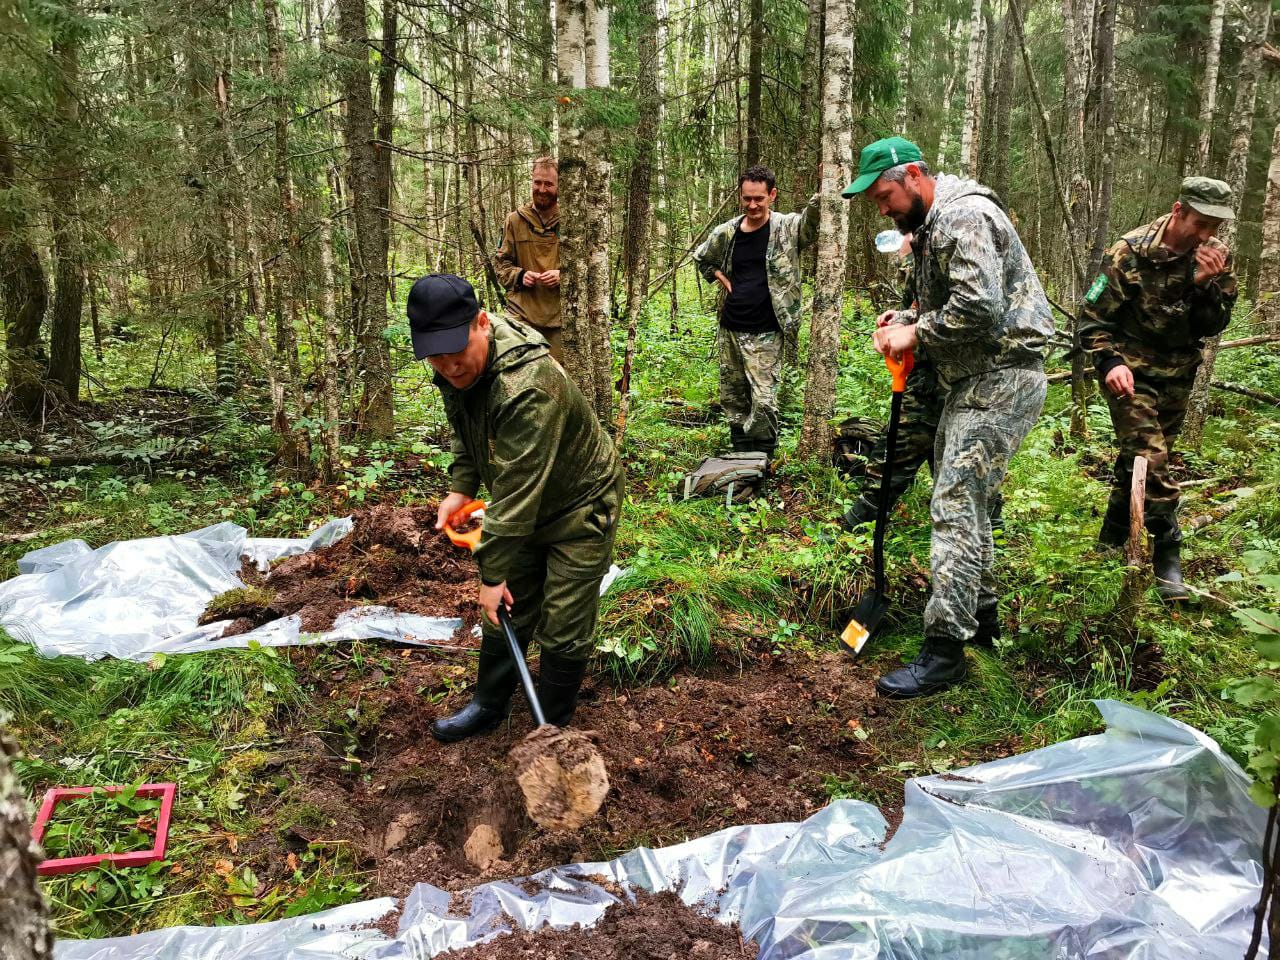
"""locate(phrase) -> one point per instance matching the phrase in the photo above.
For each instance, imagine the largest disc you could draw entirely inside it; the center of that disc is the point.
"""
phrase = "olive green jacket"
(529, 243)
(525, 432)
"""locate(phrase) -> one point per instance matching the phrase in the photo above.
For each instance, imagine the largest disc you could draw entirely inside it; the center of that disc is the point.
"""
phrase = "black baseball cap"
(440, 308)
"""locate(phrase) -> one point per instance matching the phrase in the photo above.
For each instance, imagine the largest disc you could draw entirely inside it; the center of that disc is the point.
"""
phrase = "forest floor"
(306, 775)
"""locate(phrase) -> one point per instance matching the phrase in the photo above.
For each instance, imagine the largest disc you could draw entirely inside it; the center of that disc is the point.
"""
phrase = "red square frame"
(167, 792)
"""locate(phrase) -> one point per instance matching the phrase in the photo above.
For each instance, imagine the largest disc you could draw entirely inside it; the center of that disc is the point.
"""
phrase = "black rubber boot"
(496, 680)
(988, 627)
(939, 664)
(559, 680)
(995, 510)
(1115, 526)
(1166, 558)
(738, 440)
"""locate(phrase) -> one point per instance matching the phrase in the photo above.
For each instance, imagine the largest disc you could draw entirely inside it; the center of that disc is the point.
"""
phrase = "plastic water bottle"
(889, 241)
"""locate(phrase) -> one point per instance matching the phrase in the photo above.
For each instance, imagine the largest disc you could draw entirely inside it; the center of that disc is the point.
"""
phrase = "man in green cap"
(983, 318)
(523, 430)
(1163, 289)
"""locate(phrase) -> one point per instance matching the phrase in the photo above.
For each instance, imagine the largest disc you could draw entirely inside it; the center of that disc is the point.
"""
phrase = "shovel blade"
(867, 616)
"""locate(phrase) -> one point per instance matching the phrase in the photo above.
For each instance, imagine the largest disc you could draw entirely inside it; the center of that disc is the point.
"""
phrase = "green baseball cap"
(877, 158)
(1207, 196)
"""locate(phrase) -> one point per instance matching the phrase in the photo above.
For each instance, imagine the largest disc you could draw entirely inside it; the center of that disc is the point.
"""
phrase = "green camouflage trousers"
(750, 369)
(555, 580)
(984, 421)
(1146, 425)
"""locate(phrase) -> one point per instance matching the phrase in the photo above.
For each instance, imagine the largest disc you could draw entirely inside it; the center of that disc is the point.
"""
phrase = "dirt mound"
(393, 557)
(686, 758)
(656, 927)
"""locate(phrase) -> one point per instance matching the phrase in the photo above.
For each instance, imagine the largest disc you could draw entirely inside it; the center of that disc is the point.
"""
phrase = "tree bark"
(948, 93)
(64, 194)
(903, 113)
(1106, 160)
(287, 236)
(635, 241)
(1209, 84)
(972, 91)
(1237, 166)
(754, 55)
(1002, 110)
(24, 928)
(833, 232)
(369, 280)
(23, 295)
(1269, 269)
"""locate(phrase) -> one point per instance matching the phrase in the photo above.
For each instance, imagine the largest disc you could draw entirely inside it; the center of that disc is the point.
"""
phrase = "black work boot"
(490, 704)
(863, 511)
(1166, 558)
(995, 511)
(939, 664)
(988, 631)
(559, 680)
(1115, 526)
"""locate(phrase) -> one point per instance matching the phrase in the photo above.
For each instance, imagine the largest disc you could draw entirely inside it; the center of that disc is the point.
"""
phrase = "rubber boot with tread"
(988, 631)
(559, 680)
(1166, 562)
(496, 680)
(939, 664)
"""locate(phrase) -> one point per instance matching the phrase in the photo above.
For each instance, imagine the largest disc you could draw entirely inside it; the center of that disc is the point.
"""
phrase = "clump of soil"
(393, 557)
(656, 927)
(562, 776)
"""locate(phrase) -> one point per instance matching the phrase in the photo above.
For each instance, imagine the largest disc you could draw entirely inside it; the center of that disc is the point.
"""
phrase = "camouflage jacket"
(981, 307)
(789, 233)
(1146, 311)
(526, 432)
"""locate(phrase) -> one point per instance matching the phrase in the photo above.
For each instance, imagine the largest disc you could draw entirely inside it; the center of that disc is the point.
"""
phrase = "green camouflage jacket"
(789, 233)
(526, 432)
(981, 307)
(1146, 311)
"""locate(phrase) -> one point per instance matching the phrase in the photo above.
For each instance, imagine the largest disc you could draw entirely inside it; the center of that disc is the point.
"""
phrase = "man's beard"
(544, 201)
(913, 219)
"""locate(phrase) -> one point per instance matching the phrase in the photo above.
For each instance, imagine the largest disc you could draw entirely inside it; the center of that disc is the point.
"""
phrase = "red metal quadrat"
(167, 792)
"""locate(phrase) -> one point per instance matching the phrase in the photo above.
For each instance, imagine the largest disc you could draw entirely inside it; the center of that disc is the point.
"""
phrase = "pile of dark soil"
(755, 744)
(656, 927)
(393, 557)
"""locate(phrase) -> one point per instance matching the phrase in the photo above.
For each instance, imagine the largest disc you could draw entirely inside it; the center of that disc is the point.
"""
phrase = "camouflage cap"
(1207, 196)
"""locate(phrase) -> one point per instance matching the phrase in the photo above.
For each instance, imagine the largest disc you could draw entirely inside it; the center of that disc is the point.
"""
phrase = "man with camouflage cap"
(755, 258)
(523, 430)
(1163, 289)
(985, 322)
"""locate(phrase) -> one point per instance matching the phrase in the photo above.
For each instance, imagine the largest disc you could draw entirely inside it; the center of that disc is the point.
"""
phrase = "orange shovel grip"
(900, 369)
(470, 539)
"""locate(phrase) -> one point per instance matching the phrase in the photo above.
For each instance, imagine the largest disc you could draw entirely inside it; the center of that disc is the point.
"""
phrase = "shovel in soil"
(873, 605)
(560, 772)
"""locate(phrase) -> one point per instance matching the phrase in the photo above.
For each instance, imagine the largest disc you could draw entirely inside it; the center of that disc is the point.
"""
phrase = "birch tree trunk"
(904, 72)
(1106, 67)
(1002, 109)
(599, 197)
(754, 55)
(1237, 167)
(286, 226)
(1269, 271)
(1209, 84)
(833, 231)
(948, 92)
(972, 91)
(331, 433)
(369, 280)
(24, 929)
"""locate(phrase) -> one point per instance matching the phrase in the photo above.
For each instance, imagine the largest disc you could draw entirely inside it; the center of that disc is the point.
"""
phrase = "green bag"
(735, 476)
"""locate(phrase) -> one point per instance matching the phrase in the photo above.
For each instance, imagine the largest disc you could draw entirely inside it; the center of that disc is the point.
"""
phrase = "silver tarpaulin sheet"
(132, 599)
(1140, 843)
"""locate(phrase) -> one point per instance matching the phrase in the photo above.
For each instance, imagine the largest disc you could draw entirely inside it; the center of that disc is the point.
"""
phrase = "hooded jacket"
(981, 306)
(530, 244)
(525, 432)
(1146, 311)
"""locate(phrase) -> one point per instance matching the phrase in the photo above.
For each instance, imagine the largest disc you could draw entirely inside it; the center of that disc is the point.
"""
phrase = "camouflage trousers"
(984, 421)
(750, 369)
(555, 581)
(1147, 424)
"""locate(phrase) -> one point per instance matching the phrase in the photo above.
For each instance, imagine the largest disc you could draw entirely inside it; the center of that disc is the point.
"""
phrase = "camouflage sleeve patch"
(1096, 290)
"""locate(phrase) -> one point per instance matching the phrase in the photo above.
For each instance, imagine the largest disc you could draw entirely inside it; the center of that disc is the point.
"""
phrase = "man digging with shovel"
(985, 321)
(523, 430)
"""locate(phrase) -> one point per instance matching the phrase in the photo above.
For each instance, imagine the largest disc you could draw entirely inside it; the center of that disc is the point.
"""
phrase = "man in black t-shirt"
(755, 258)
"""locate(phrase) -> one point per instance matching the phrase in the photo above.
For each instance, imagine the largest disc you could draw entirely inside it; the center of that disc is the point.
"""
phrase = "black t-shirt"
(749, 309)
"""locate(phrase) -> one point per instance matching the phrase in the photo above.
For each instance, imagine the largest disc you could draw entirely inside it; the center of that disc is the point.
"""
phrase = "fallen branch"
(1226, 509)
(7, 538)
(1250, 341)
(85, 458)
(1258, 395)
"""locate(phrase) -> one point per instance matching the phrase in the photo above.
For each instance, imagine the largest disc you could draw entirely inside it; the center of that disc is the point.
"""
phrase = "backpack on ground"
(735, 476)
(852, 443)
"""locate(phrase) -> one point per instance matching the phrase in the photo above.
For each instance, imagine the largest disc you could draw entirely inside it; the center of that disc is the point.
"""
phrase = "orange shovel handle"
(900, 369)
(470, 539)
